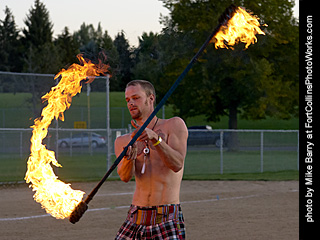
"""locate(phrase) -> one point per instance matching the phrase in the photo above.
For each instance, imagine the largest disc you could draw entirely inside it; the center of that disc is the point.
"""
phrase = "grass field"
(203, 165)
(16, 112)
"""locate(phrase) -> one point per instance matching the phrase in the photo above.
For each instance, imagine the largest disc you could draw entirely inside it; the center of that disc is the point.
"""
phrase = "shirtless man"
(156, 160)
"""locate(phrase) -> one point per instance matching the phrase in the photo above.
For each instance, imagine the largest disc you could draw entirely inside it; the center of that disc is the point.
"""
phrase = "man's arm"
(126, 165)
(173, 151)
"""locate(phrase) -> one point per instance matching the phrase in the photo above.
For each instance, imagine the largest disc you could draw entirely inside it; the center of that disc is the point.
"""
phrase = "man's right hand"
(132, 152)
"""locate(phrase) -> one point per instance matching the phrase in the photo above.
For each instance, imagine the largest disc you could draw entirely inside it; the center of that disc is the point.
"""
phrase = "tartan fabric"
(160, 222)
(153, 215)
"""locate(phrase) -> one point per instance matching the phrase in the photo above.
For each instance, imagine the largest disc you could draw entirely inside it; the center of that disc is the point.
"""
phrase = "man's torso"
(158, 185)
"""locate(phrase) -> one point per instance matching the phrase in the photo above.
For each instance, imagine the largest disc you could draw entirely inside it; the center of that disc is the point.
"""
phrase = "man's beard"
(138, 115)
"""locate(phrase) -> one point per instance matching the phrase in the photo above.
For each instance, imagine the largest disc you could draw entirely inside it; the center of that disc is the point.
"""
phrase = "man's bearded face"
(137, 101)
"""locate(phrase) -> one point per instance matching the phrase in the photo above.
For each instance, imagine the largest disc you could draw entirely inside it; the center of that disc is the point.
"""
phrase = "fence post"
(3, 118)
(261, 152)
(20, 144)
(298, 151)
(108, 122)
(221, 152)
(122, 120)
(57, 138)
(70, 152)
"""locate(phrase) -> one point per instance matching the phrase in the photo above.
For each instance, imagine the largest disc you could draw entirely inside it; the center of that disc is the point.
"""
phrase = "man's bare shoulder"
(176, 124)
(176, 121)
(123, 139)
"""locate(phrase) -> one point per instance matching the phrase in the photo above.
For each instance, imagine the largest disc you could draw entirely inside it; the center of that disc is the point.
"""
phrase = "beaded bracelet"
(158, 142)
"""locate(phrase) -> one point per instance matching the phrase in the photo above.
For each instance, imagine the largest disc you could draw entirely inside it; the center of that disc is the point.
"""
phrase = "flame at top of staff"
(55, 196)
(241, 27)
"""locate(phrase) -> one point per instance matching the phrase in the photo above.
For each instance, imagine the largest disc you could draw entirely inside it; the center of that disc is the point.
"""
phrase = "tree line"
(253, 84)
(34, 49)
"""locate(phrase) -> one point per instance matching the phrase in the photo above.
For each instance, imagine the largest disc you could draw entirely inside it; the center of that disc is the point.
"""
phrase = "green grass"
(13, 168)
(289, 175)
(209, 162)
(97, 99)
(79, 167)
(82, 167)
(16, 112)
(201, 165)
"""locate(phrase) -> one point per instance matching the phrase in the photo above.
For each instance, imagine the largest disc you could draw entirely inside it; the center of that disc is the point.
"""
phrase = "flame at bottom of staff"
(55, 196)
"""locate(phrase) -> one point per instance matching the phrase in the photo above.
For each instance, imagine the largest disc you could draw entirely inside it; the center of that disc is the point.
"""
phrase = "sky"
(132, 16)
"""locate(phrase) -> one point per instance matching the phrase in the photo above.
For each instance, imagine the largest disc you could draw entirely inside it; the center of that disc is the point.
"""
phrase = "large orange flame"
(242, 27)
(55, 196)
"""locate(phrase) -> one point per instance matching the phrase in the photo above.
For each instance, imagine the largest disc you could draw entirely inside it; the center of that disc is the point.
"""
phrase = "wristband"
(158, 142)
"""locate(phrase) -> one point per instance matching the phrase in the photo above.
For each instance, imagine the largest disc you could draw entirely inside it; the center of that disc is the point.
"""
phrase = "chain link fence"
(242, 151)
(83, 153)
(86, 154)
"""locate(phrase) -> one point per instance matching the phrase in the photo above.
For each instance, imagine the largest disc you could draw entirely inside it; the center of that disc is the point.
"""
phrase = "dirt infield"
(212, 210)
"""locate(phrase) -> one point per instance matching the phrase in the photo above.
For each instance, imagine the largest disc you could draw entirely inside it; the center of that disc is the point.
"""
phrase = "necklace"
(146, 151)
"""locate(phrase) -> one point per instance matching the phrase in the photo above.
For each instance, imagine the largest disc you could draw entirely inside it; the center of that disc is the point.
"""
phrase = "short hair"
(146, 85)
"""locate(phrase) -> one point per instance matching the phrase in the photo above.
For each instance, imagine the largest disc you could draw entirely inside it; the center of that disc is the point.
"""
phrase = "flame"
(55, 196)
(242, 27)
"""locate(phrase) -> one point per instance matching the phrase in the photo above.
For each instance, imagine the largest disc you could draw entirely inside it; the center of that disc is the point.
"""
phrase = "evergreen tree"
(96, 45)
(66, 47)
(9, 44)
(147, 57)
(123, 71)
(40, 53)
(112, 56)
(39, 27)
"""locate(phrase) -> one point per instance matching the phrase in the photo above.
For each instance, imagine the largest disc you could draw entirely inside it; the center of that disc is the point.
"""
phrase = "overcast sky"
(132, 16)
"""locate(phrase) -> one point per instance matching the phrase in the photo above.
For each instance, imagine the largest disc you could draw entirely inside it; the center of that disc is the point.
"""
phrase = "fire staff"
(156, 161)
(158, 164)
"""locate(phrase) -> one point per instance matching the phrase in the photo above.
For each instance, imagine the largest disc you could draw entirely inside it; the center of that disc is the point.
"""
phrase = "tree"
(86, 38)
(40, 53)
(123, 71)
(67, 48)
(97, 45)
(147, 57)
(160, 62)
(9, 43)
(39, 27)
(112, 55)
(255, 83)
(84, 35)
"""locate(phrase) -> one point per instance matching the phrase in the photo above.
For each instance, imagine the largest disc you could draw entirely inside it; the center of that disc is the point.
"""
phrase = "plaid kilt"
(160, 222)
